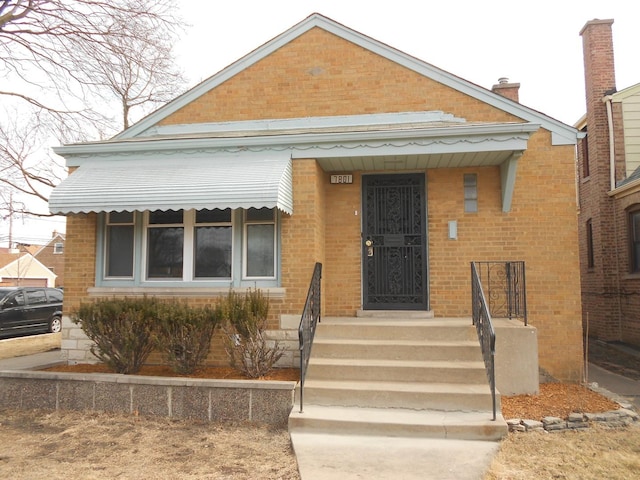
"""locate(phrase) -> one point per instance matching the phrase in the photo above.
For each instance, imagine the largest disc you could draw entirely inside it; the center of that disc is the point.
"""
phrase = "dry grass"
(593, 454)
(35, 445)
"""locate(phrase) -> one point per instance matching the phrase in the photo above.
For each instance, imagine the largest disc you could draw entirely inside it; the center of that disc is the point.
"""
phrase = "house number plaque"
(341, 178)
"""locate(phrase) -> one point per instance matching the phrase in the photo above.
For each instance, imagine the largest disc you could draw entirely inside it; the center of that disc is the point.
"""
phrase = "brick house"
(297, 153)
(51, 254)
(609, 195)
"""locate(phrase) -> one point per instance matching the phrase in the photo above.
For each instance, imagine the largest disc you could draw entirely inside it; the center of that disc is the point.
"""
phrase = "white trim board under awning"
(233, 181)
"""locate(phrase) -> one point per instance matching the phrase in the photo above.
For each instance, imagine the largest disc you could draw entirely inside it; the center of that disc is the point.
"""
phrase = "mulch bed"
(289, 374)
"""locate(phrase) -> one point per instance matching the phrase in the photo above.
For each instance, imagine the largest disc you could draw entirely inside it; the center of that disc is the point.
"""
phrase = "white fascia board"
(562, 134)
(626, 93)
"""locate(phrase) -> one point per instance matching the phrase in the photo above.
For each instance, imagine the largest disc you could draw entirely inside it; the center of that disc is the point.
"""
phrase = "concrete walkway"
(32, 362)
(350, 457)
(326, 456)
(623, 389)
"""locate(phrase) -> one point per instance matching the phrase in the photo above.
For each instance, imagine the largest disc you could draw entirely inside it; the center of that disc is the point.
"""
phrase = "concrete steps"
(385, 376)
(397, 423)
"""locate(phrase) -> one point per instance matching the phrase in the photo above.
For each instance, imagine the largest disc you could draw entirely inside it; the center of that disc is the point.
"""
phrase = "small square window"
(58, 248)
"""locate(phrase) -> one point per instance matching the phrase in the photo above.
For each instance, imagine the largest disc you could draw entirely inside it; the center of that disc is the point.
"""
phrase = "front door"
(394, 243)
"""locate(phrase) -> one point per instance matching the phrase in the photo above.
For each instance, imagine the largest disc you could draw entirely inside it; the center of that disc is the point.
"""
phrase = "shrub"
(184, 334)
(121, 330)
(245, 341)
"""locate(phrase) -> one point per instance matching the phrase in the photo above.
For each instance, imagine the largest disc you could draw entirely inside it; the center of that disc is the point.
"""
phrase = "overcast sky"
(536, 44)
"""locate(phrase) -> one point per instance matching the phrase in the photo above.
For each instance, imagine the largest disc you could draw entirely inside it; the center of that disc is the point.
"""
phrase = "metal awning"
(152, 183)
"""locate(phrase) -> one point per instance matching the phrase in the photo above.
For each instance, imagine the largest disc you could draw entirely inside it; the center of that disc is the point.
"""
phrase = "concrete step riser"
(487, 431)
(397, 373)
(388, 331)
(464, 353)
(393, 399)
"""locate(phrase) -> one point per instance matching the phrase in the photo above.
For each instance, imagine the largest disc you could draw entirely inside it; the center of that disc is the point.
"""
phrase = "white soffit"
(233, 181)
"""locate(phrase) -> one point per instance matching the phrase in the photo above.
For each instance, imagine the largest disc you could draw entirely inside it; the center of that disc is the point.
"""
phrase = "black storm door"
(394, 247)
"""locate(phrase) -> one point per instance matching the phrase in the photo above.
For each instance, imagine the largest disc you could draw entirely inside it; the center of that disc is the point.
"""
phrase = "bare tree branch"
(64, 66)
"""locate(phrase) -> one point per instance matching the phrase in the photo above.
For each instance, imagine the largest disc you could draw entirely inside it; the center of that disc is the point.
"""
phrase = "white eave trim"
(512, 136)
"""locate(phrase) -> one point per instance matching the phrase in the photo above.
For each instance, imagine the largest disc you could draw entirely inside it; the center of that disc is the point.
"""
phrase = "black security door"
(394, 247)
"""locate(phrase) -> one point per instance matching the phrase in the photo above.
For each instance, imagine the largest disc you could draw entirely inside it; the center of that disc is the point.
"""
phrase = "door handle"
(369, 245)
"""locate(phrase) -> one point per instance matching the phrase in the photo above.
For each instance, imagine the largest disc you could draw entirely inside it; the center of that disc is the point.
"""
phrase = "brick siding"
(319, 74)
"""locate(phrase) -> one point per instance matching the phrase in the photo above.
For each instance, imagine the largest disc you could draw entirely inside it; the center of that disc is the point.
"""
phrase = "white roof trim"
(453, 137)
(626, 93)
(139, 184)
(562, 134)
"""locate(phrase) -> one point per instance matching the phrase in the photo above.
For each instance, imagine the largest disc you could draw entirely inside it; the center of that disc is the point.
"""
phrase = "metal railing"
(486, 333)
(504, 287)
(308, 323)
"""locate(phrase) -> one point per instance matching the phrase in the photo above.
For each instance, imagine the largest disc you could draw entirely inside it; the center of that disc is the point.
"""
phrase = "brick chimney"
(506, 89)
(600, 80)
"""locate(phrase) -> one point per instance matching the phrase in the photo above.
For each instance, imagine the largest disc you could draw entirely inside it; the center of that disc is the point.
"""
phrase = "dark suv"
(25, 310)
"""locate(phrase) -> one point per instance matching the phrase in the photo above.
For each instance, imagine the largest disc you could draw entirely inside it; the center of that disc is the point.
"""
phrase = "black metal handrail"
(505, 290)
(308, 322)
(486, 333)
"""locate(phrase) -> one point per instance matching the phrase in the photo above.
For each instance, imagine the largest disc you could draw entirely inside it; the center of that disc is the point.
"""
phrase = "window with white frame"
(165, 244)
(191, 246)
(58, 248)
(213, 242)
(119, 245)
(259, 243)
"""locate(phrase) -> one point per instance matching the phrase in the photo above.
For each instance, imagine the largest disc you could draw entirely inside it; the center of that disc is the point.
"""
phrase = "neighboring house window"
(634, 239)
(119, 245)
(470, 192)
(590, 256)
(259, 244)
(58, 248)
(584, 146)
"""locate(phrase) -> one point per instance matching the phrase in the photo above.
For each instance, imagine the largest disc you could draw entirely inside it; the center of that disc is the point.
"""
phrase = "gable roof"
(23, 265)
(562, 134)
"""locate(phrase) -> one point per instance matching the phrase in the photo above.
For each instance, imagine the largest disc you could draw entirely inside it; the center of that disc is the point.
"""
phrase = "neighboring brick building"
(609, 195)
(324, 145)
(52, 255)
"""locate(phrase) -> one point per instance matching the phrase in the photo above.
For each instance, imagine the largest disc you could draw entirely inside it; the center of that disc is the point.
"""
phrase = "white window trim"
(245, 238)
(105, 246)
(144, 273)
(191, 251)
(139, 279)
(58, 248)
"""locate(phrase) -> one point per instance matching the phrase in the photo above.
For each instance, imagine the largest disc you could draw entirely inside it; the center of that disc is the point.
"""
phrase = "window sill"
(631, 276)
(94, 292)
